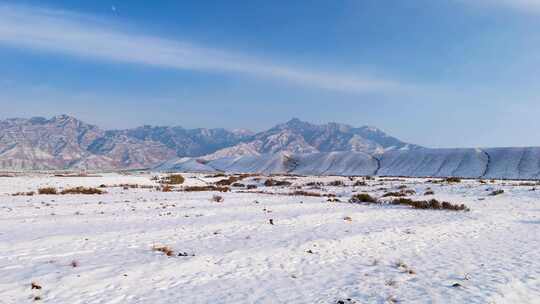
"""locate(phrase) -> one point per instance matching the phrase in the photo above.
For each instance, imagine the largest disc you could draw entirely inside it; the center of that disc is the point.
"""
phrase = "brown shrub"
(362, 198)
(232, 179)
(168, 251)
(217, 198)
(250, 187)
(305, 193)
(431, 204)
(451, 180)
(30, 193)
(429, 192)
(496, 192)
(271, 183)
(166, 188)
(173, 179)
(395, 194)
(205, 188)
(216, 175)
(82, 190)
(48, 191)
(336, 183)
(359, 183)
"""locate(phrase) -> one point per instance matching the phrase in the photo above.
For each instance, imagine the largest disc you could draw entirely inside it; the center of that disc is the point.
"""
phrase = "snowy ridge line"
(497, 163)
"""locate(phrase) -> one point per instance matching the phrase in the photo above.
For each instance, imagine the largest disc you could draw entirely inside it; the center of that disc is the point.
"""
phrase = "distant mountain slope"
(64, 142)
(296, 136)
(187, 142)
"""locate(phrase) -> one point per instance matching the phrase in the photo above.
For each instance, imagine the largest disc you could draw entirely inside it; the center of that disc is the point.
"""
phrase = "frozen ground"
(310, 255)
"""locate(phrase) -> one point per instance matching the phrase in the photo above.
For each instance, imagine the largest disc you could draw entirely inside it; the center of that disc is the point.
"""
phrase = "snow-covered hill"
(507, 163)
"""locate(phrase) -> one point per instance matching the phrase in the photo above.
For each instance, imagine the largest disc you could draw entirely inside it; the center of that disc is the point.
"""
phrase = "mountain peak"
(64, 118)
(294, 123)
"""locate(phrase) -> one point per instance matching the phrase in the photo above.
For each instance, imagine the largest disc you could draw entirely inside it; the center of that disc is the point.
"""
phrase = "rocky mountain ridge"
(64, 142)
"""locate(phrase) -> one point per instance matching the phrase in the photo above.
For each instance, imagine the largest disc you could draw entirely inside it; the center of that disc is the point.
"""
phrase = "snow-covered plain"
(316, 251)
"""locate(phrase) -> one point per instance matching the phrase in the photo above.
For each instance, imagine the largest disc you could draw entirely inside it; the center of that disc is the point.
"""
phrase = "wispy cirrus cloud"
(81, 35)
(527, 6)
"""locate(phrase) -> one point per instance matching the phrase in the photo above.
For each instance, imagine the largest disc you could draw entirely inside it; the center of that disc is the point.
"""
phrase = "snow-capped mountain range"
(64, 142)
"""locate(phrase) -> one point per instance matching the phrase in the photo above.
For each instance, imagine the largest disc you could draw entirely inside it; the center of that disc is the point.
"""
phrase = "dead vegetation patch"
(276, 183)
(205, 188)
(336, 183)
(173, 179)
(429, 192)
(333, 200)
(496, 192)
(359, 183)
(82, 190)
(168, 251)
(217, 199)
(430, 204)
(48, 191)
(452, 180)
(402, 193)
(35, 285)
(29, 193)
(232, 179)
(363, 198)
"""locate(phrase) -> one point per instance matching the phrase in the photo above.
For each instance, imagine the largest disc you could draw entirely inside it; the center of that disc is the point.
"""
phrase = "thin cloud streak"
(83, 36)
(526, 6)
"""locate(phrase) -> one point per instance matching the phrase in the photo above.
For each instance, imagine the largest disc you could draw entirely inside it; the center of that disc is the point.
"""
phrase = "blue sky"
(444, 73)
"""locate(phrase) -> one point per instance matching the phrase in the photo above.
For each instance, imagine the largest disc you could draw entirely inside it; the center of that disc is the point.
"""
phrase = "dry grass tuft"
(363, 198)
(174, 179)
(82, 190)
(272, 182)
(453, 180)
(166, 188)
(30, 193)
(205, 188)
(336, 183)
(232, 179)
(48, 191)
(168, 251)
(431, 204)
